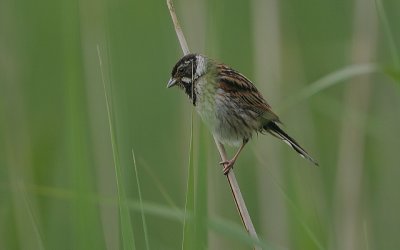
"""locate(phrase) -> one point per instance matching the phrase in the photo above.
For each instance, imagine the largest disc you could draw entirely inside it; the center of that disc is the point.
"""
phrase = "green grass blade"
(84, 223)
(146, 237)
(219, 225)
(331, 80)
(394, 74)
(157, 183)
(236, 232)
(188, 234)
(388, 32)
(32, 217)
(124, 213)
(293, 206)
(200, 210)
(365, 232)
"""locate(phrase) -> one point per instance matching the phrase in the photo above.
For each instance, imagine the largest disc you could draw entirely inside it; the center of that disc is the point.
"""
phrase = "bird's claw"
(228, 165)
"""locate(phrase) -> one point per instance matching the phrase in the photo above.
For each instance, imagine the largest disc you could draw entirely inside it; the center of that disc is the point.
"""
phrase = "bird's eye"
(181, 69)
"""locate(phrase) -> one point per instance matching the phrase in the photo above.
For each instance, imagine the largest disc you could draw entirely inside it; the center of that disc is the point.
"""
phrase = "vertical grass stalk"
(188, 238)
(146, 237)
(128, 241)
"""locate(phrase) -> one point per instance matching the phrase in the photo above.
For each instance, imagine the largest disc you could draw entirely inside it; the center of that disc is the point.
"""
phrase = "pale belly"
(228, 123)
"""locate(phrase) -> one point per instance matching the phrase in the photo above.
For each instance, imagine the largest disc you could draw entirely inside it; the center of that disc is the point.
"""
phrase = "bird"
(229, 104)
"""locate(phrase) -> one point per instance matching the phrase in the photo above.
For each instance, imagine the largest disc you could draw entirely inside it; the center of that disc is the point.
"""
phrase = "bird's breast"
(221, 114)
(205, 104)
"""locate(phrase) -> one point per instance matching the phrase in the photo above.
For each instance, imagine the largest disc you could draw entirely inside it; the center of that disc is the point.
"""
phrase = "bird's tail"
(276, 131)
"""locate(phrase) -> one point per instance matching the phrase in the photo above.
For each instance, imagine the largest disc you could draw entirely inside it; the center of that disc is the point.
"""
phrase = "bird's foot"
(228, 165)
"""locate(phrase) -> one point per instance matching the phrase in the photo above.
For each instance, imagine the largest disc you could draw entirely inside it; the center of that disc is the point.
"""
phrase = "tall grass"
(128, 241)
(189, 234)
(146, 237)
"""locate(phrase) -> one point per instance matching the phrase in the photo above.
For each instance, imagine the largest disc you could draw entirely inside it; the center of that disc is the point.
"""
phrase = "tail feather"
(276, 131)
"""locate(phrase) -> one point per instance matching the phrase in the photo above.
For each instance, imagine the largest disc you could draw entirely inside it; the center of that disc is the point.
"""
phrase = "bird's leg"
(229, 164)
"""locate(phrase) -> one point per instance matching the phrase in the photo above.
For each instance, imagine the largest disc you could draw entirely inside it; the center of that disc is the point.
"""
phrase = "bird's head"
(187, 70)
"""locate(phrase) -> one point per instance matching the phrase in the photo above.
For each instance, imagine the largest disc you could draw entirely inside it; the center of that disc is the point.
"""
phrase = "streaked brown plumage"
(228, 102)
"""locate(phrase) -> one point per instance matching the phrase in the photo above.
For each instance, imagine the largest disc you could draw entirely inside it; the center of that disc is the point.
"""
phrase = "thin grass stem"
(146, 237)
(125, 218)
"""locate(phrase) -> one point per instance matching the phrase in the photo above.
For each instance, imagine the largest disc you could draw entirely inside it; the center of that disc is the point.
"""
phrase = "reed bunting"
(229, 104)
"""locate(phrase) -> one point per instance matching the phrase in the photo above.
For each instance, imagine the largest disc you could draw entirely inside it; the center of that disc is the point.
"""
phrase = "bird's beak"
(171, 82)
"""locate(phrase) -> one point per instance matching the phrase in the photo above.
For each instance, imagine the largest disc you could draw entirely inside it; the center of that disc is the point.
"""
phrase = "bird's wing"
(242, 89)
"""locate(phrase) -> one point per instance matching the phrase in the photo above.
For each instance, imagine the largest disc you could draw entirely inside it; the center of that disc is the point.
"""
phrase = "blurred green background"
(330, 69)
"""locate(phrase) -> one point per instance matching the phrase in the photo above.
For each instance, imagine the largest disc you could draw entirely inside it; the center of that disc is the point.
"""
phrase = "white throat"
(201, 65)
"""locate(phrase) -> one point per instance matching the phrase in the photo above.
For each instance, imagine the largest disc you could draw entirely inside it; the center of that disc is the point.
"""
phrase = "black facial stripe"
(189, 91)
(186, 68)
